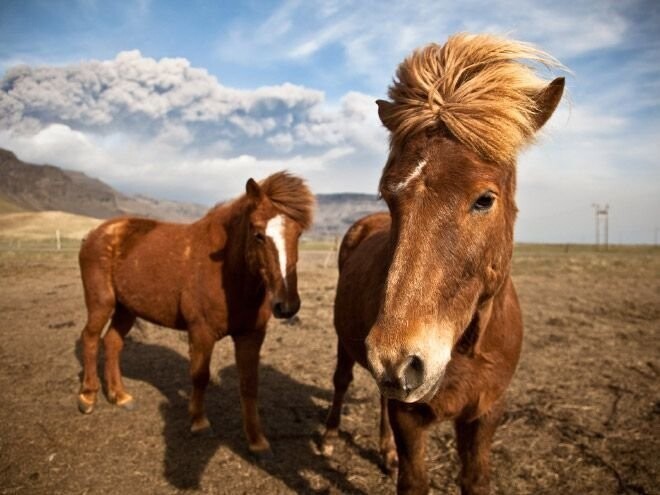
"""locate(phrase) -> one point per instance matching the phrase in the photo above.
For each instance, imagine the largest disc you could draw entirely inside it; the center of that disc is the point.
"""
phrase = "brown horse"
(425, 299)
(222, 275)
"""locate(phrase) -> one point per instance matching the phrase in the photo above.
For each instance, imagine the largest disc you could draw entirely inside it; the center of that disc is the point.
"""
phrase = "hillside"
(7, 206)
(25, 186)
(28, 187)
(336, 212)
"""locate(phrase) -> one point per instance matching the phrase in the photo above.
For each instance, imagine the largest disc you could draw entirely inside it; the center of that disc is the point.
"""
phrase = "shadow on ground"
(290, 419)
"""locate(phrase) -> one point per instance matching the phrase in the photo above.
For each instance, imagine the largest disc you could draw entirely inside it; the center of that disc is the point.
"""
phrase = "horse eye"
(483, 202)
(260, 237)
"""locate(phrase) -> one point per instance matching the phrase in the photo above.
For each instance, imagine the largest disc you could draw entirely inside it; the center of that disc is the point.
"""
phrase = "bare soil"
(583, 417)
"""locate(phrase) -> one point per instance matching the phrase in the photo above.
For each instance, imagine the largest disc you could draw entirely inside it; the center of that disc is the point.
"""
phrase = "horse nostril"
(412, 373)
(389, 382)
(284, 310)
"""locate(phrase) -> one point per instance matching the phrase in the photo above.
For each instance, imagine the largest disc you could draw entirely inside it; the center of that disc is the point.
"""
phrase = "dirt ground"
(583, 418)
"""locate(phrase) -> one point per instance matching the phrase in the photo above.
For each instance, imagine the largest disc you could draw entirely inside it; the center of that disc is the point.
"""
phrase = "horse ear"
(252, 189)
(385, 111)
(547, 101)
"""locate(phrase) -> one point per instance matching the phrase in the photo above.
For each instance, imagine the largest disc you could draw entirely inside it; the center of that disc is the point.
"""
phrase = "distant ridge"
(45, 187)
(336, 212)
(29, 187)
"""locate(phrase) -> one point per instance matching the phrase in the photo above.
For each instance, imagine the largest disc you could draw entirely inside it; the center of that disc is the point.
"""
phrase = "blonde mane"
(481, 87)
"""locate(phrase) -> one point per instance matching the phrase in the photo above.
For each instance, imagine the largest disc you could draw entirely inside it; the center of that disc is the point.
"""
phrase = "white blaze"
(416, 172)
(275, 230)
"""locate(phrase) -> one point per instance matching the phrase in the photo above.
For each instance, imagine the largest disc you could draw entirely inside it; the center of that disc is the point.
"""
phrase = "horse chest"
(223, 308)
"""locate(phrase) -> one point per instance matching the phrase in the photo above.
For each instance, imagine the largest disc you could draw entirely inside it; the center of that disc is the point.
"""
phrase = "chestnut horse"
(224, 274)
(425, 299)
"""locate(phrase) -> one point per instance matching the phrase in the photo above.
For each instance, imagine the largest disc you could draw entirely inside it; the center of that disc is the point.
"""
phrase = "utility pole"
(604, 213)
(596, 208)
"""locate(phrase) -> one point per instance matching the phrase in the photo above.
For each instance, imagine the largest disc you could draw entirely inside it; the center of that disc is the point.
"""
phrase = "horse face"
(451, 243)
(273, 243)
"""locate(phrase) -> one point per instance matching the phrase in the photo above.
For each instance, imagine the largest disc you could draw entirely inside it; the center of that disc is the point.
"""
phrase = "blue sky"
(185, 100)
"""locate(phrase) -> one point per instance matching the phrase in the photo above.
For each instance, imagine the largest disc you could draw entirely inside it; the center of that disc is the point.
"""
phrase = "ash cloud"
(171, 101)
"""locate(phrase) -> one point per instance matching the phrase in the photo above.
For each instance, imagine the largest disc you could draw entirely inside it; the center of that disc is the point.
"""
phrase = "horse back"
(360, 230)
(141, 262)
(362, 272)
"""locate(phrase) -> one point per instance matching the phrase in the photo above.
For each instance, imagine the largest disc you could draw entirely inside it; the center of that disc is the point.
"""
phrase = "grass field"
(583, 416)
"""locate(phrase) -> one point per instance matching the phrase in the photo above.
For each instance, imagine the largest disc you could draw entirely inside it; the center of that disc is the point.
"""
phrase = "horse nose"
(412, 373)
(405, 376)
(286, 310)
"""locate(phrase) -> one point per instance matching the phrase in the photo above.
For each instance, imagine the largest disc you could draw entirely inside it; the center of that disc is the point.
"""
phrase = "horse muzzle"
(286, 309)
(411, 372)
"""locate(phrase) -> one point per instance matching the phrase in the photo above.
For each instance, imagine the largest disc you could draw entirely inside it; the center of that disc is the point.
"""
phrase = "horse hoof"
(390, 462)
(327, 449)
(203, 433)
(129, 405)
(202, 429)
(260, 449)
(85, 406)
(328, 442)
(262, 455)
(125, 401)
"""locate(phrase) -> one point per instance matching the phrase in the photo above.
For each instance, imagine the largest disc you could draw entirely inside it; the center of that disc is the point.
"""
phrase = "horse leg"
(387, 445)
(98, 312)
(341, 380)
(246, 348)
(113, 341)
(474, 439)
(201, 342)
(409, 423)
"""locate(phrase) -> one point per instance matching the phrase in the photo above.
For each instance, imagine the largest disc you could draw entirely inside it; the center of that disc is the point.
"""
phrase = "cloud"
(158, 169)
(295, 32)
(172, 103)
(165, 128)
(149, 97)
(584, 157)
(54, 141)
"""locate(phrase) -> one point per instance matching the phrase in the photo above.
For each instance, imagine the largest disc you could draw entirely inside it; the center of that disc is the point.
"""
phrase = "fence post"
(59, 241)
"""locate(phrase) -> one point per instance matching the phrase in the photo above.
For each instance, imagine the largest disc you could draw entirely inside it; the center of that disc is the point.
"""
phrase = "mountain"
(336, 212)
(25, 186)
(28, 187)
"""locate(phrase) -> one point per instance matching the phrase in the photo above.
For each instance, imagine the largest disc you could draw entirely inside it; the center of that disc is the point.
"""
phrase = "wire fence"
(330, 244)
(44, 244)
(40, 244)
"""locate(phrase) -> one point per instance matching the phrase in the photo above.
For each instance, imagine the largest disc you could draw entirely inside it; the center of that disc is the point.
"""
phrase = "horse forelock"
(481, 88)
(290, 196)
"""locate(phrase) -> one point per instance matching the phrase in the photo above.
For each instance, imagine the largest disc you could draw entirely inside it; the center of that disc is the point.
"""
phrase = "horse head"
(280, 211)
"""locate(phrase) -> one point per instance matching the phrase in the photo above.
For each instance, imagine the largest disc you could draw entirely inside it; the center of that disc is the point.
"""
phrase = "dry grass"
(37, 225)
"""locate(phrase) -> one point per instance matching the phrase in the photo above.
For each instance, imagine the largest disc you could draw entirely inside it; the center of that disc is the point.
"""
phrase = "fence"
(55, 242)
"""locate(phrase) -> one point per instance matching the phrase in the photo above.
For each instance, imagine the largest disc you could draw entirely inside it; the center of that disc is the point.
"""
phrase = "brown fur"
(215, 277)
(425, 300)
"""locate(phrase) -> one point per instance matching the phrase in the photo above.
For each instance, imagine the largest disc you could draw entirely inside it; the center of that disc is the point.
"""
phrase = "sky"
(187, 100)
